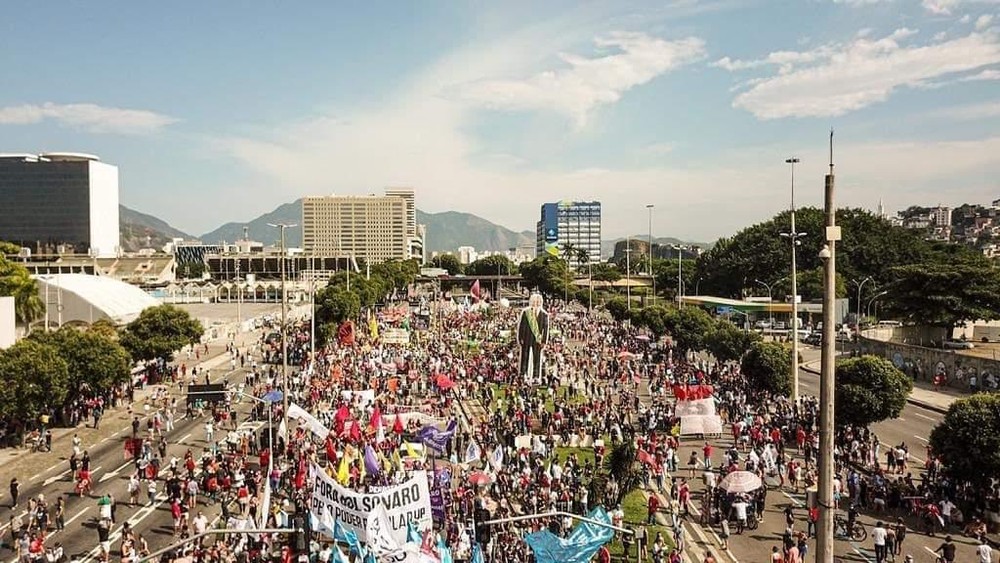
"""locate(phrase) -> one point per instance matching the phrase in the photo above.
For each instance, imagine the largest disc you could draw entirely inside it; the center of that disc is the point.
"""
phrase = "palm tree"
(16, 282)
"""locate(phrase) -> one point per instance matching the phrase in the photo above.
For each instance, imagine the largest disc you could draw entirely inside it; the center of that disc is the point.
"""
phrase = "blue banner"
(582, 543)
(435, 438)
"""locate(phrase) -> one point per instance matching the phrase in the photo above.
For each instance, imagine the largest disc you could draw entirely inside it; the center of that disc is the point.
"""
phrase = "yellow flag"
(396, 459)
(343, 472)
(372, 325)
(410, 452)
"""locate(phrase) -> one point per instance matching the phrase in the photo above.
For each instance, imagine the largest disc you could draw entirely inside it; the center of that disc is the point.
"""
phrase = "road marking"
(921, 438)
(931, 551)
(924, 416)
(861, 552)
(184, 437)
(794, 500)
(112, 474)
(4, 527)
(54, 478)
(78, 514)
(900, 419)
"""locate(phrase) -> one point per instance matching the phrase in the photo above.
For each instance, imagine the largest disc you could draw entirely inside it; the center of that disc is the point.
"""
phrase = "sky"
(221, 111)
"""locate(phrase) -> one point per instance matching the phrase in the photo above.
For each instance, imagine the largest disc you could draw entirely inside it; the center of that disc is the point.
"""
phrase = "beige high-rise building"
(371, 227)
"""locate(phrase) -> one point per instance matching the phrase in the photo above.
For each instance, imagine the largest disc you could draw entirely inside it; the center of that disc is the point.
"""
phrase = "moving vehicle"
(957, 345)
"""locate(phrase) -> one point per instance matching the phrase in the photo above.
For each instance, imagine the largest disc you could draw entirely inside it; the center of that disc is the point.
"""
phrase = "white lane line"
(54, 478)
(184, 437)
(924, 416)
(794, 500)
(857, 549)
(112, 474)
(900, 419)
(921, 438)
(78, 514)
(5, 526)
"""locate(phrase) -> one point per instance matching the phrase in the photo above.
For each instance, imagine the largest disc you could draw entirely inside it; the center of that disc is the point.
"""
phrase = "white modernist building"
(60, 203)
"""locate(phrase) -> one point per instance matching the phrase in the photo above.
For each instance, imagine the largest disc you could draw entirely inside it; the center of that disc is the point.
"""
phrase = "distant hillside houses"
(975, 225)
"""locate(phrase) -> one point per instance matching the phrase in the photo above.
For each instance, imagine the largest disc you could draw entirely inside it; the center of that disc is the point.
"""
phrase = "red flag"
(300, 477)
(397, 426)
(477, 294)
(331, 452)
(355, 432)
(342, 413)
(375, 420)
(345, 334)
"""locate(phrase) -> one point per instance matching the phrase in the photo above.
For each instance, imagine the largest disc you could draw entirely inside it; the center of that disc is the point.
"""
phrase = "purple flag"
(371, 461)
(435, 438)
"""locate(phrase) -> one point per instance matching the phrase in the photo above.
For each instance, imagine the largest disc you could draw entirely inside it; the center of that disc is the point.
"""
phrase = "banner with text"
(408, 501)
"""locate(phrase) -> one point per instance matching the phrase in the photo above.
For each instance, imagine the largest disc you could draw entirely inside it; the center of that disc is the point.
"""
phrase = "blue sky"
(218, 111)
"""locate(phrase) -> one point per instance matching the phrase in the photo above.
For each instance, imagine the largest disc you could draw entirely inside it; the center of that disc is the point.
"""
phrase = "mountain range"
(446, 231)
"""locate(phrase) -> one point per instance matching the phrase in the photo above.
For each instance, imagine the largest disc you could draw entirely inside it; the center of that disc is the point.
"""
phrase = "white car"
(958, 345)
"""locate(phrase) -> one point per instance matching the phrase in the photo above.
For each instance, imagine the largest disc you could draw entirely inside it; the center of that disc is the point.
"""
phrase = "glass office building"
(575, 223)
(60, 203)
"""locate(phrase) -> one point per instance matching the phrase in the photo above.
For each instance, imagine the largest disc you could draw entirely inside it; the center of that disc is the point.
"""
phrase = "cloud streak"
(584, 84)
(88, 117)
(836, 79)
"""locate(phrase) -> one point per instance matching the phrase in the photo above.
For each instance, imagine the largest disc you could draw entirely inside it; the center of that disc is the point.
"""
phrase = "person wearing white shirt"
(879, 534)
(984, 551)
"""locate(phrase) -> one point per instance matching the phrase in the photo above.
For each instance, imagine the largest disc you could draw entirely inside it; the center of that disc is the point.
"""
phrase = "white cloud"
(988, 74)
(984, 21)
(860, 2)
(839, 78)
(88, 117)
(587, 83)
(971, 112)
(947, 7)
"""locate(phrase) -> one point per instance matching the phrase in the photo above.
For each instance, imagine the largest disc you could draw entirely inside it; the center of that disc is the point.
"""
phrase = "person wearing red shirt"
(603, 555)
(651, 508)
(707, 450)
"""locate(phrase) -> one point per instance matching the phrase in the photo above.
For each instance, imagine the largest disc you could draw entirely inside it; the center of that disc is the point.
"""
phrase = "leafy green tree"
(490, 266)
(768, 367)
(810, 285)
(605, 272)
(968, 440)
(334, 305)
(618, 308)
(690, 329)
(33, 380)
(546, 273)
(105, 328)
(665, 274)
(622, 462)
(449, 262)
(160, 331)
(728, 342)
(869, 389)
(944, 295)
(95, 361)
(396, 274)
(16, 282)
(657, 319)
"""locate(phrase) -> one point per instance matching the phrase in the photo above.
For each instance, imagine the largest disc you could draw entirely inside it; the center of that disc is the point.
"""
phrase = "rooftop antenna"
(246, 232)
(831, 152)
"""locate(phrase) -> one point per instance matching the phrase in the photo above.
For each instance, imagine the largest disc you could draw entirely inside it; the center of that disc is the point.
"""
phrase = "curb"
(911, 400)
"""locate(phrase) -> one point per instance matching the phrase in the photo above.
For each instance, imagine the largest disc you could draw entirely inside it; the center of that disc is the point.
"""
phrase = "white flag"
(496, 458)
(379, 532)
(380, 432)
(472, 453)
(283, 431)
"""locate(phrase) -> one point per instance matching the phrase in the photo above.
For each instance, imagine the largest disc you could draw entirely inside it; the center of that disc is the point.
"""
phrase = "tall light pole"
(680, 270)
(652, 277)
(824, 544)
(628, 273)
(873, 300)
(860, 285)
(284, 327)
(770, 300)
(793, 235)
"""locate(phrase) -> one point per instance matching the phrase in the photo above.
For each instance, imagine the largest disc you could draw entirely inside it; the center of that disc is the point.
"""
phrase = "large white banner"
(366, 398)
(408, 501)
(699, 407)
(395, 336)
(700, 424)
(298, 413)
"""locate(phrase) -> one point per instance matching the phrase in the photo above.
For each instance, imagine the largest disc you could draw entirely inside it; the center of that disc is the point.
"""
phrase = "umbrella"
(740, 482)
(480, 478)
(273, 396)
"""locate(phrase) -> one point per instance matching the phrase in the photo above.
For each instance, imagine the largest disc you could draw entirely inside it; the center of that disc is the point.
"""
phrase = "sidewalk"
(934, 400)
(21, 461)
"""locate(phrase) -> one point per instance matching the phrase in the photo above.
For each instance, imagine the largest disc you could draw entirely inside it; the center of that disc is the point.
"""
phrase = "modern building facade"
(60, 203)
(370, 227)
(574, 223)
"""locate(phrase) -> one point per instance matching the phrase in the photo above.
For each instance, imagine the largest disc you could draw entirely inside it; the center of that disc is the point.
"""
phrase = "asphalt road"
(110, 473)
(913, 427)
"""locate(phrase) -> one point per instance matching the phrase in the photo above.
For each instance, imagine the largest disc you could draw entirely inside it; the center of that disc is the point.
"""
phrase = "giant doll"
(532, 335)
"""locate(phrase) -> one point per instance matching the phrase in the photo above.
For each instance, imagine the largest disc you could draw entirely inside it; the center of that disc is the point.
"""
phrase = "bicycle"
(858, 533)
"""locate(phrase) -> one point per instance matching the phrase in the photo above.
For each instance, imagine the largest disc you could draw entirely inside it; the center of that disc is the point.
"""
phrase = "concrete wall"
(7, 323)
(924, 363)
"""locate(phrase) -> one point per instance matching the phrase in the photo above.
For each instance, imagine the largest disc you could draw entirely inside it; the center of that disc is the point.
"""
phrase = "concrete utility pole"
(824, 544)
(793, 236)
(284, 326)
(652, 277)
(628, 273)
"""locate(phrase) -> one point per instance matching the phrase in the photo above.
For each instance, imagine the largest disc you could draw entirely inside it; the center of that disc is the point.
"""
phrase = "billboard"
(550, 222)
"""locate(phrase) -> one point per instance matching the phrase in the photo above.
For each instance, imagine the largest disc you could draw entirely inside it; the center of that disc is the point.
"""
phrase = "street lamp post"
(794, 235)
(652, 277)
(770, 300)
(284, 326)
(873, 300)
(628, 273)
(860, 285)
(680, 269)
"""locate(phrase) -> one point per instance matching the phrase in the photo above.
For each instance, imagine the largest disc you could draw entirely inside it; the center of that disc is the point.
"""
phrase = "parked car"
(814, 339)
(958, 345)
(762, 325)
(780, 325)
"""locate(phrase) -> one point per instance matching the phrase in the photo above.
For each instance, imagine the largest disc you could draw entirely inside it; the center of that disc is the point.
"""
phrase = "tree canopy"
(34, 378)
(968, 439)
(869, 389)
(605, 272)
(449, 262)
(490, 266)
(160, 331)
(690, 328)
(728, 342)
(768, 367)
(658, 319)
(546, 273)
(871, 246)
(944, 294)
(95, 361)
(618, 308)
(16, 282)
